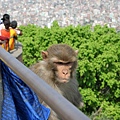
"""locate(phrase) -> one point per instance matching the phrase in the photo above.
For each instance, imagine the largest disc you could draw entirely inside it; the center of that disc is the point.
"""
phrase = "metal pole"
(57, 102)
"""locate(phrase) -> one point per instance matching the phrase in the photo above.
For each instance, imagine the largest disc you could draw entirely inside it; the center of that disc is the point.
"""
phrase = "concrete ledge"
(17, 52)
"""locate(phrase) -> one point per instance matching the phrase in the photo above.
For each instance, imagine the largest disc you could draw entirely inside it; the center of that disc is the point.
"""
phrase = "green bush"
(98, 70)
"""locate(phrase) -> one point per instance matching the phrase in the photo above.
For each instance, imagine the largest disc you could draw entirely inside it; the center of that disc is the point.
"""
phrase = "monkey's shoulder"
(41, 69)
(39, 66)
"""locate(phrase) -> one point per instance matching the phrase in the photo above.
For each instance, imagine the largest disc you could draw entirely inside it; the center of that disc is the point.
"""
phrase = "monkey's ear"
(44, 54)
(76, 51)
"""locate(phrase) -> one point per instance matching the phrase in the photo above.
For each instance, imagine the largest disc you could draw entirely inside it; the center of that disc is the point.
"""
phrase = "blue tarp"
(19, 101)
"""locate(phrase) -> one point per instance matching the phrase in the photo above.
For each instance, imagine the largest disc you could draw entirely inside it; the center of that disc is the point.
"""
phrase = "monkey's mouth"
(63, 80)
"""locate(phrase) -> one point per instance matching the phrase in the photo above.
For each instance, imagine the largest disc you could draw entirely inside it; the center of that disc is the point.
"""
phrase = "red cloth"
(6, 33)
(3, 38)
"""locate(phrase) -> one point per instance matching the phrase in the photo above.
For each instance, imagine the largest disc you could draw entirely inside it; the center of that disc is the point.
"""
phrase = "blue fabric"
(19, 101)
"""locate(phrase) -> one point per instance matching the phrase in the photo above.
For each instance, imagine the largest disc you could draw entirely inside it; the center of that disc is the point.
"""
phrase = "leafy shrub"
(98, 70)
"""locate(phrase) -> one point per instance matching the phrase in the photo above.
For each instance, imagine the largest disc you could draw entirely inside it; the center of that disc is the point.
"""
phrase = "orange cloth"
(6, 33)
(12, 40)
(3, 41)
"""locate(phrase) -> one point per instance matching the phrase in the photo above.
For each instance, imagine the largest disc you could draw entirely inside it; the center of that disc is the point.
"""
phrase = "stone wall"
(66, 12)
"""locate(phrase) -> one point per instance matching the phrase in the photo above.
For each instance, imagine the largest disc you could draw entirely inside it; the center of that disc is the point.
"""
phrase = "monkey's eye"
(62, 63)
(68, 63)
(59, 63)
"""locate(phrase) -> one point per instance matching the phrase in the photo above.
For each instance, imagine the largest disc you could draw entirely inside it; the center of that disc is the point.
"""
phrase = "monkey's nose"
(65, 72)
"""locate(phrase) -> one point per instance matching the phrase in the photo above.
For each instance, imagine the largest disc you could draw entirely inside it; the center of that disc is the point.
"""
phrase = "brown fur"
(47, 70)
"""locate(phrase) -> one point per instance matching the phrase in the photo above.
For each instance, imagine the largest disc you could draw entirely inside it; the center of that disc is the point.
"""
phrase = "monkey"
(58, 69)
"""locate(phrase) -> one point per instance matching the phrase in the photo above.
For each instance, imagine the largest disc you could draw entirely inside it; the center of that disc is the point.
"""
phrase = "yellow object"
(12, 40)
(3, 45)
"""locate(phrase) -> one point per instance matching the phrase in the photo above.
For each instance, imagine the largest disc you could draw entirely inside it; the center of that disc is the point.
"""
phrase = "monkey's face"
(63, 71)
(62, 60)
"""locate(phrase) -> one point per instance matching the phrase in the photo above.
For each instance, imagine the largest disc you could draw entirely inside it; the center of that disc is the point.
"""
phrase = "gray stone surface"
(44, 12)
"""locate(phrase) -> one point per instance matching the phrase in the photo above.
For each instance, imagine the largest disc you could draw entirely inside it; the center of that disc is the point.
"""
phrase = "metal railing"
(65, 109)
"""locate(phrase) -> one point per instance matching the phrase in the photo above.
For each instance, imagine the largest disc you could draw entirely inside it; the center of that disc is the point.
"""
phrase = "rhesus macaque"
(58, 69)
